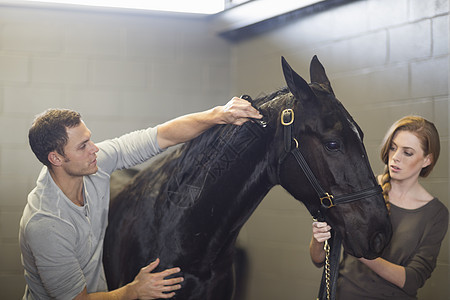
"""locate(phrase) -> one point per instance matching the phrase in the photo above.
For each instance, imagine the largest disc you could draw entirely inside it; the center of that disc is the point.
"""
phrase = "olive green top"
(415, 244)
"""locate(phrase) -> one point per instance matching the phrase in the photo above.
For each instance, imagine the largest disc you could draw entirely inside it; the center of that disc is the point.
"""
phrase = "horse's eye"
(333, 146)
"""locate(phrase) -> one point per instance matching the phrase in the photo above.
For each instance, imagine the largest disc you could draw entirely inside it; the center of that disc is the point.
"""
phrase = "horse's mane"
(207, 156)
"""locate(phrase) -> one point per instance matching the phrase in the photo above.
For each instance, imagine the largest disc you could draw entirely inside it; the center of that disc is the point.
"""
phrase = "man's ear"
(55, 158)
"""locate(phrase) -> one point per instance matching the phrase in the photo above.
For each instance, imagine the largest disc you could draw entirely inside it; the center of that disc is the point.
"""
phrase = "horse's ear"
(296, 84)
(318, 75)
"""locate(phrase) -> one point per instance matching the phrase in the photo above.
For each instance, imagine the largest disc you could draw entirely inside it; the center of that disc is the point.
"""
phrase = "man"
(64, 222)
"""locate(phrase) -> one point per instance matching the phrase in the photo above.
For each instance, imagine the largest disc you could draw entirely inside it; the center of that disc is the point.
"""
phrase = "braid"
(386, 186)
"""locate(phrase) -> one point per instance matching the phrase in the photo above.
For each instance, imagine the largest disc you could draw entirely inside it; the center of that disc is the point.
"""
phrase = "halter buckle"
(327, 200)
(287, 117)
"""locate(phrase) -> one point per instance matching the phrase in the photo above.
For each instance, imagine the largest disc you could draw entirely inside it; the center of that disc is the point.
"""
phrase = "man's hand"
(149, 285)
(237, 111)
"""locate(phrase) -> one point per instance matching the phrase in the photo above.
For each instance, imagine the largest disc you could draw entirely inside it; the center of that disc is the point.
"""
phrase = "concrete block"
(12, 285)
(378, 86)
(93, 39)
(15, 159)
(196, 43)
(410, 41)
(347, 20)
(19, 134)
(32, 37)
(441, 115)
(147, 41)
(441, 170)
(419, 9)
(429, 78)
(94, 102)
(59, 71)
(14, 191)
(386, 13)
(438, 187)
(365, 51)
(118, 73)
(9, 224)
(422, 107)
(10, 258)
(218, 78)
(178, 76)
(14, 68)
(31, 101)
(440, 35)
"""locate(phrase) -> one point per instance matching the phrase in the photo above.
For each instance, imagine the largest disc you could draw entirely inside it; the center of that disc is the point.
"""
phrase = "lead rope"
(326, 247)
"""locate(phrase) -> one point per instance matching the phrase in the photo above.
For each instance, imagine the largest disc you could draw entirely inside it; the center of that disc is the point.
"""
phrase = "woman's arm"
(321, 233)
(389, 271)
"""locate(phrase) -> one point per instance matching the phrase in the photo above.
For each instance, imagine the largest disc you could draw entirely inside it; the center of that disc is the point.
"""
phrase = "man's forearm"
(123, 293)
(185, 128)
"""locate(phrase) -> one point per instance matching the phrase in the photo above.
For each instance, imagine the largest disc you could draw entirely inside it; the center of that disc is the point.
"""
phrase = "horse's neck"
(233, 164)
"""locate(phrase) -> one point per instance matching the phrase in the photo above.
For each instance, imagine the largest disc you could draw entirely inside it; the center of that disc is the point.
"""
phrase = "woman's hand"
(321, 231)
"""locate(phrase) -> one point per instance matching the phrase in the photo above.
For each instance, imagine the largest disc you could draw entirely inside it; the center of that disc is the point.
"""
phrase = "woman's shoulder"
(439, 206)
(436, 210)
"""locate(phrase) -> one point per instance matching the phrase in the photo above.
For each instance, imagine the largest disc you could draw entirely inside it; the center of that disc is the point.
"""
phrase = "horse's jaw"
(362, 236)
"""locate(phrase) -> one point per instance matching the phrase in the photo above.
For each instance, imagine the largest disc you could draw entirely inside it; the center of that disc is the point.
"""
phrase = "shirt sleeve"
(128, 150)
(54, 245)
(419, 268)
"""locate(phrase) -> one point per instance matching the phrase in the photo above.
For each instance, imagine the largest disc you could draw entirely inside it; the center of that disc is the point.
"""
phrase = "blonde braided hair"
(385, 182)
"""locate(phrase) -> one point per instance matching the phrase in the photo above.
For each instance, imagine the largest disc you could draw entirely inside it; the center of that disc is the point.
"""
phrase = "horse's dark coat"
(188, 207)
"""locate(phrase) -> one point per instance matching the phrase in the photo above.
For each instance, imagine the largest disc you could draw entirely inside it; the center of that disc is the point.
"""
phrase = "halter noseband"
(327, 200)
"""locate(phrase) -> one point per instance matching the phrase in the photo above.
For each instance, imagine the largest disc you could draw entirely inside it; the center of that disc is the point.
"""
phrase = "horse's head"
(315, 128)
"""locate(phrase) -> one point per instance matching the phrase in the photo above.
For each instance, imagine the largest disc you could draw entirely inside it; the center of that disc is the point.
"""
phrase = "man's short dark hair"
(49, 132)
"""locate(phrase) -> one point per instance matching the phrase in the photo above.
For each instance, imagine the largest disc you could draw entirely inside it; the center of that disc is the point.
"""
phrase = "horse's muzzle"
(377, 243)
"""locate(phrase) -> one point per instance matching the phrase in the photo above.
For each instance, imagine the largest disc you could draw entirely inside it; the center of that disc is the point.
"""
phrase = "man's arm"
(237, 111)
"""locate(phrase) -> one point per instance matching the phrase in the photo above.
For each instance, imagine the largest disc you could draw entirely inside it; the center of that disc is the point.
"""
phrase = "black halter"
(327, 201)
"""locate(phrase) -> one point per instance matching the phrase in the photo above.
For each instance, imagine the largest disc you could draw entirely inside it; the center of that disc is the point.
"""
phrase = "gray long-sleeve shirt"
(415, 245)
(62, 243)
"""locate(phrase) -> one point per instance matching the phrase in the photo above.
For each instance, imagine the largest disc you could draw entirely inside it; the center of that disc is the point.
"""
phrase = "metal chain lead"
(326, 247)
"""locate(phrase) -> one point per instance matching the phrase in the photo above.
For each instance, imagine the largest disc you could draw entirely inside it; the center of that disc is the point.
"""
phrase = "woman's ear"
(427, 161)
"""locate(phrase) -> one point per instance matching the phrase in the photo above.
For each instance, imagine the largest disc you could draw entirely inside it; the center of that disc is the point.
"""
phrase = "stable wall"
(385, 58)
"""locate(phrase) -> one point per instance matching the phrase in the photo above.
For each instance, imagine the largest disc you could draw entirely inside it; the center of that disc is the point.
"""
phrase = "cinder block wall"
(121, 71)
(385, 59)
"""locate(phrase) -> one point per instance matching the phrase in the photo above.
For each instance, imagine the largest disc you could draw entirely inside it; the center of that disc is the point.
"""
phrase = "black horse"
(188, 206)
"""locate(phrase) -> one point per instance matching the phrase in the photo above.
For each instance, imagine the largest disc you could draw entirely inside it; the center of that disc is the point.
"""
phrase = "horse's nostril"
(377, 243)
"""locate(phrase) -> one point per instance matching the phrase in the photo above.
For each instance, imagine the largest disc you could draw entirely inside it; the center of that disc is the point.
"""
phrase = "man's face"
(80, 152)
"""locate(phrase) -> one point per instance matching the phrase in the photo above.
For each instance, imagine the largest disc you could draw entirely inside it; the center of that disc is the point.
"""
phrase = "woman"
(410, 150)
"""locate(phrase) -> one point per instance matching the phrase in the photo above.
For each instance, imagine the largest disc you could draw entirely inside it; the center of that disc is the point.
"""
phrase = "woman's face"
(406, 157)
